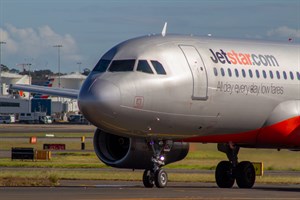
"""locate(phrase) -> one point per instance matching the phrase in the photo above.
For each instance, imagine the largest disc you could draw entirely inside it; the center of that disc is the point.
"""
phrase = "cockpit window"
(102, 65)
(122, 65)
(143, 66)
(158, 67)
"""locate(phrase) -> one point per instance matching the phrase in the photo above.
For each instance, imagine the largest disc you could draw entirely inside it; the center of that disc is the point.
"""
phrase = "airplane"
(48, 83)
(150, 96)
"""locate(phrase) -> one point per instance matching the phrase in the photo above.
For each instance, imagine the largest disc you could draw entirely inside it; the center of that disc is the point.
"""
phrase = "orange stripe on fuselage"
(282, 134)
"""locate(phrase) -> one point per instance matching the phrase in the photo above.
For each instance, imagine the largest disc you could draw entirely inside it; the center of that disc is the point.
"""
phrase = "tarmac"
(92, 190)
(134, 190)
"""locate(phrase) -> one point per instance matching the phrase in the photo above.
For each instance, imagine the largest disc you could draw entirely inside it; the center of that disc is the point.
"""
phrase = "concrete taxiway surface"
(134, 190)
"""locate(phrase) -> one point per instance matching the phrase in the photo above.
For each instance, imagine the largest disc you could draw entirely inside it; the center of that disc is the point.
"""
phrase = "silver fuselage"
(200, 94)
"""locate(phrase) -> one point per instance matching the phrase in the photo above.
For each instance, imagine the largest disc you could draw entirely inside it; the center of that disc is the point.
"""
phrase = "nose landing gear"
(227, 172)
(157, 176)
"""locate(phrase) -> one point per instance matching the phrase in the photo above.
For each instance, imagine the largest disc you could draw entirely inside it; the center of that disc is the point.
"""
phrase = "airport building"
(20, 102)
(11, 105)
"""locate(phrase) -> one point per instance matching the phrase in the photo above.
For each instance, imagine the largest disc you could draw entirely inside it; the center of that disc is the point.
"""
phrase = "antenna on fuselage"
(164, 30)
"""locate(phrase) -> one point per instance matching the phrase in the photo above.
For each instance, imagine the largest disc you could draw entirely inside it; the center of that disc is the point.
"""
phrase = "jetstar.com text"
(236, 58)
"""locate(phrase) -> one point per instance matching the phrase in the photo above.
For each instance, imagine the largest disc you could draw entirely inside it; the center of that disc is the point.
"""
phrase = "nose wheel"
(157, 176)
(148, 178)
(161, 178)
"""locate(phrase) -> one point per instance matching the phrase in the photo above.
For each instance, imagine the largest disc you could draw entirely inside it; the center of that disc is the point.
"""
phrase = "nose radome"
(99, 100)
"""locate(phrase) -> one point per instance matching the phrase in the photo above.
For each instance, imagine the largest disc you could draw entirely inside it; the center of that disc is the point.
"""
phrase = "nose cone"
(99, 101)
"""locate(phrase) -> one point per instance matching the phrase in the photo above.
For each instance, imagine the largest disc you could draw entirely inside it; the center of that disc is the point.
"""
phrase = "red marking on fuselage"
(284, 134)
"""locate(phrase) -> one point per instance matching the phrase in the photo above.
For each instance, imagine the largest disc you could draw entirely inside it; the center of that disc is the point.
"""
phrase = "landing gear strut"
(227, 172)
(157, 176)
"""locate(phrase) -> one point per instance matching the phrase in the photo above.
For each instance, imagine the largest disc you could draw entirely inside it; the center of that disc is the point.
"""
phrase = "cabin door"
(198, 70)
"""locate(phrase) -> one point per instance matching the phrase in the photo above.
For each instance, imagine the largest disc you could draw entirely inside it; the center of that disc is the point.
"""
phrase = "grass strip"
(200, 159)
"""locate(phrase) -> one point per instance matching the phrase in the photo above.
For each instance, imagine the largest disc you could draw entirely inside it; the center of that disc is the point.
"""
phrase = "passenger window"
(284, 75)
(257, 73)
(143, 66)
(102, 65)
(122, 65)
(264, 74)
(292, 75)
(158, 67)
(229, 72)
(215, 71)
(298, 75)
(271, 74)
(222, 72)
(243, 73)
(236, 72)
(250, 73)
(278, 74)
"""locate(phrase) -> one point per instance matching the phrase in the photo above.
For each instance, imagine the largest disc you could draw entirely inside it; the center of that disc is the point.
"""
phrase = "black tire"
(161, 178)
(148, 179)
(245, 175)
(224, 174)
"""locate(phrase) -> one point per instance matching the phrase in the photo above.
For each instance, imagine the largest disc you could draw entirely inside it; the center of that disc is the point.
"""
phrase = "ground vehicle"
(35, 118)
(46, 119)
(7, 119)
(77, 119)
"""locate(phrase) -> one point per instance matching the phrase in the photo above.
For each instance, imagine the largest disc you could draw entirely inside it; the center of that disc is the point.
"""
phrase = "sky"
(86, 29)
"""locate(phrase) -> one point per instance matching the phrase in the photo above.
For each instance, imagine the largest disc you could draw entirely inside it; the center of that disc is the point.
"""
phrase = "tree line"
(38, 76)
